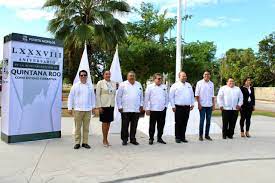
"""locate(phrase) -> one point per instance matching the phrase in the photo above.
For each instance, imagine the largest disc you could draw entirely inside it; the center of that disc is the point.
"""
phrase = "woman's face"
(107, 75)
(248, 82)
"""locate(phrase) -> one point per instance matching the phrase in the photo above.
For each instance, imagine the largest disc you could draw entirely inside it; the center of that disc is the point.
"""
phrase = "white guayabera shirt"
(229, 98)
(81, 97)
(156, 97)
(205, 92)
(181, 94)
(129, 96)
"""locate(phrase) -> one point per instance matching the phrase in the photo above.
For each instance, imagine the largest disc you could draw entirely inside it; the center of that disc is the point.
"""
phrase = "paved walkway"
(238, 160)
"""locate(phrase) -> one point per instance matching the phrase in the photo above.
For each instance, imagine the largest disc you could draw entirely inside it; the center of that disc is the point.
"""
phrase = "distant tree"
(90, 21)
(266, 56)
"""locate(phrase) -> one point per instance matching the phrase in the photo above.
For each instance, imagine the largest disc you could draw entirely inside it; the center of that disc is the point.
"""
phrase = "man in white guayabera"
(155, 103)
(130, 104)
(206, 103)
(182, 102)
(230, 100)
(82, 100)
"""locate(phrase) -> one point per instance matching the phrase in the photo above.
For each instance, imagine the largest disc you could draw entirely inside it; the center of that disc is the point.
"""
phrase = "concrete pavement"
(238, 160)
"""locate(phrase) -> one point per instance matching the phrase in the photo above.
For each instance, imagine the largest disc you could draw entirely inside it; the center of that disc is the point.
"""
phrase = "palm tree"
(91, 21)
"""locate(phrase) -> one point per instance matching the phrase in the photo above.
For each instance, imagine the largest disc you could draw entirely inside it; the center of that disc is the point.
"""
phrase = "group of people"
(128, 96)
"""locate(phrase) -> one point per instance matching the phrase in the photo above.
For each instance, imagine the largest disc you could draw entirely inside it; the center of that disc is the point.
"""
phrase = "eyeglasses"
(159, 78)
(83, 75)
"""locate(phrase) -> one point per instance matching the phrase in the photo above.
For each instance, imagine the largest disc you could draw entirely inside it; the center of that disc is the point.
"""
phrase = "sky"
(228, 23)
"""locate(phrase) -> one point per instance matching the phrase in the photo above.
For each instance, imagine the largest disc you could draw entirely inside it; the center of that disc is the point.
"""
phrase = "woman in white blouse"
(105, 102)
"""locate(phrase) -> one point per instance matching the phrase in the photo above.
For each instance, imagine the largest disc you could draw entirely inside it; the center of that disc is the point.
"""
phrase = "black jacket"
(246, 96)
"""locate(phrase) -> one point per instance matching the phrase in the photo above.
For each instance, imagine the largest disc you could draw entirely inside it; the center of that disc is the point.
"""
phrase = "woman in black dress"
(105, 102)
(248, 106)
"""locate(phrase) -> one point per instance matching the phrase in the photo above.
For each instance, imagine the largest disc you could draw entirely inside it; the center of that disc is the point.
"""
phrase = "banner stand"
(31, 88)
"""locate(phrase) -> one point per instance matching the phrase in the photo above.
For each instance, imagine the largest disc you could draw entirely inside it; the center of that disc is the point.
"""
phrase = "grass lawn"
(258, 112)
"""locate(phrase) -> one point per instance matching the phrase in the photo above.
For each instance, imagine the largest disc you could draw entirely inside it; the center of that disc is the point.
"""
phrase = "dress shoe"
(135, 143)
(230, 137)
(86, 146)
(201, 138)
(161, 141)
(76, 146)
(178, 141)
(208, 138)
(184, 141)
(151, 141)
(124, 142)
(247, 134)
(242, 134)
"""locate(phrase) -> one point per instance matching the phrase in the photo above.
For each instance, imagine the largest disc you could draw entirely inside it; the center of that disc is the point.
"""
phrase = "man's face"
(231, 83)
(158, 80)
(131, 77)
(83, 77)
(206, 76)
(182, 77)
(107, 75)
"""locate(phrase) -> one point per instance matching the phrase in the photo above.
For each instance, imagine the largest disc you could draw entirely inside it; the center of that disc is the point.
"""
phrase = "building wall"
(265, 93)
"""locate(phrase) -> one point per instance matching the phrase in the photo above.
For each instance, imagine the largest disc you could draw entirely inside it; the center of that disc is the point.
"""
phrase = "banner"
(31, 88)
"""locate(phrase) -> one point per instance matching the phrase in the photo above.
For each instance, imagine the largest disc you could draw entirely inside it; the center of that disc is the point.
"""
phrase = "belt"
(183, 106)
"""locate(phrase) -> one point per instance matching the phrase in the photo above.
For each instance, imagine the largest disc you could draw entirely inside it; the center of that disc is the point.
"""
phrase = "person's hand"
(148, 113)
(100, 110)
(199, 106)
(120, 110)
(191, 107)
(140, 109)
(213, 107)
(117, 85)
(238, 107)
(174, 109)
(221, 108)
(93, 111)
(70, 112)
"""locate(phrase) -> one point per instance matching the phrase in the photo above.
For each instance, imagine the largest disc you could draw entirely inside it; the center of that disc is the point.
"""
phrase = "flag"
(84, 65)
(116, 76)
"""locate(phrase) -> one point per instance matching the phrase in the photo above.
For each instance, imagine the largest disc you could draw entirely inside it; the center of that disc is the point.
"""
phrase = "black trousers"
(181, 118)
(229, 119)
(246, 113)
(159, 118)
(129, 118)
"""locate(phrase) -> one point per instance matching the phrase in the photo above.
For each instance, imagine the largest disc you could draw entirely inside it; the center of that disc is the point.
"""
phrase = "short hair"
(157, 74)
(104, 71)
(131, 72)
(230, 77)
(181, 72)
(207, 71)
(83, 71)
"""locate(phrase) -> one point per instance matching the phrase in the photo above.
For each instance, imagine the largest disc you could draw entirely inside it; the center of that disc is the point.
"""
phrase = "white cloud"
(217, 22)
(170, 5)
(34, 14)
(27, 9)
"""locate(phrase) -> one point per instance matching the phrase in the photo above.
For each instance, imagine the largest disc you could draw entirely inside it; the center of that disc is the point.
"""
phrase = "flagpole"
(179, 39)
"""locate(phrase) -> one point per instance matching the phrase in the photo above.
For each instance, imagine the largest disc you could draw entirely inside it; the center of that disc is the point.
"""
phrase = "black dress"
(107, 115)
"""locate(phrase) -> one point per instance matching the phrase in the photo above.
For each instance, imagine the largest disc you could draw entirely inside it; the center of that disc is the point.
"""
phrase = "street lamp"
(179, 39)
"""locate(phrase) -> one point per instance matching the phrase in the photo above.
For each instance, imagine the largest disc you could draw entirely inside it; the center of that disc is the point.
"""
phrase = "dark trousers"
(181, 118)
(159, 118)
(245, 117)
(205, 112)
(229, 119)
(129, 118)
